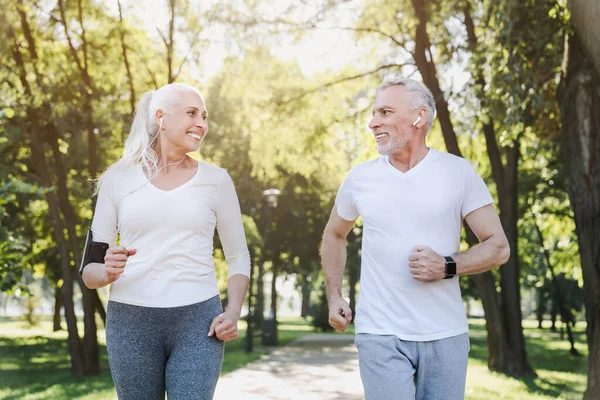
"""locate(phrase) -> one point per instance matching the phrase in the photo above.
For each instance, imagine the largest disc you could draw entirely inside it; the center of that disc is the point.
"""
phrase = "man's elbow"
(329, 235)
(331, 240)
(503, 252)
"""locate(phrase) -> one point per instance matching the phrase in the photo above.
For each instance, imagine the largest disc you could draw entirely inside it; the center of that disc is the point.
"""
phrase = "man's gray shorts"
(394, 369)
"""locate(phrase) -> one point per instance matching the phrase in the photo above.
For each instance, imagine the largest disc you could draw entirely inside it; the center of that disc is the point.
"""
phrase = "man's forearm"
(236, 292)
(94, 276)
(482, 257)
(333, 260)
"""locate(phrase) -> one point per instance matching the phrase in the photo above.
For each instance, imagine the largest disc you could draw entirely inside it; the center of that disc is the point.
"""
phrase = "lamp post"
(271, 196)
(269, 331)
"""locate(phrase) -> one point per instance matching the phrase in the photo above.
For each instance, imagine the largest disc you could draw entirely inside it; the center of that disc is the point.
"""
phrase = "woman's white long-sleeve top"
(172, 232)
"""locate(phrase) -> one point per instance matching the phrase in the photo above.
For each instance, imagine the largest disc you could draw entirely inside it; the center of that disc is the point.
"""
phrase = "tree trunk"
(517, 363)
(553, 315)
(126, 62)
(541, 303)
(99, 306)
(259, 315)
(494, 324)
(566, 322)
(75, 347)
(274, 292)
(77, 364)
(585, 15)
(170, 43)
(305, 287)
(90, 339)
(270, 330)
(58, 304)
(580, 106)
(38, 156)
(558, 293)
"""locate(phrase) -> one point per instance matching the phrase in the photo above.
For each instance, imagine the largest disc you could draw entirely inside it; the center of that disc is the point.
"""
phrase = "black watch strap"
(450, 267)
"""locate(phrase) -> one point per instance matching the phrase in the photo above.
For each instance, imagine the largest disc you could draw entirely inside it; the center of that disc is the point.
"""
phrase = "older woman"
(165, 324)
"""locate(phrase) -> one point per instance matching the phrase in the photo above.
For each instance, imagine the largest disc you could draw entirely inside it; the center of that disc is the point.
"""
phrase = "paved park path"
(314, 367)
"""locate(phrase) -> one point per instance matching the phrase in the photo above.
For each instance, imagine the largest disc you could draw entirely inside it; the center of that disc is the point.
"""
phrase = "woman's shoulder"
(119, 172)
(116, 176)
(210, 170)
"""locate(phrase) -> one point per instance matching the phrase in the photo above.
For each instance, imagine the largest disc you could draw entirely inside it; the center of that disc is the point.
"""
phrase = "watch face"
(450, 267)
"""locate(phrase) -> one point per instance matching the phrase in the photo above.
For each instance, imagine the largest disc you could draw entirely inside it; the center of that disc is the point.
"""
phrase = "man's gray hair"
(419, 96)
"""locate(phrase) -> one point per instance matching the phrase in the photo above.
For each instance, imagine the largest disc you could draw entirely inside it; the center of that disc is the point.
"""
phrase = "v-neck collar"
(414, 170)
(141, 170)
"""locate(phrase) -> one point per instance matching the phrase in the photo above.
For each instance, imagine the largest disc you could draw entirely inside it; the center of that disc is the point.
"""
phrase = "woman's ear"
(159, 119)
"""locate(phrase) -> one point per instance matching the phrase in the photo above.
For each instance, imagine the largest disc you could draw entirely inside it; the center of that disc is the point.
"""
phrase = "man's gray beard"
(393, 146)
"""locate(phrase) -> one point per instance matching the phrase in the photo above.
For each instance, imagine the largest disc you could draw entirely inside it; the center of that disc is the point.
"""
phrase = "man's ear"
(421, 118)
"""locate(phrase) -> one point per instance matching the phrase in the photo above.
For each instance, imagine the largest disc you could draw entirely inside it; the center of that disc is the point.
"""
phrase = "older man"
(411, 327)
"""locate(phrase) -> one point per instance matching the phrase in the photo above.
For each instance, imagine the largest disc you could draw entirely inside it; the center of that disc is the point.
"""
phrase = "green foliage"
(7, 113)
(15, 244)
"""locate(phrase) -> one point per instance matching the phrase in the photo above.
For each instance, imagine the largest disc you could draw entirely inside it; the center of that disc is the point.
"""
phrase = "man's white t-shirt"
(424, 206)
(172, 232)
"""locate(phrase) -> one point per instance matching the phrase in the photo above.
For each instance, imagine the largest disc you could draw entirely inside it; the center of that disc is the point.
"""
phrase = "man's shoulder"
(450, 160)
(448, 157)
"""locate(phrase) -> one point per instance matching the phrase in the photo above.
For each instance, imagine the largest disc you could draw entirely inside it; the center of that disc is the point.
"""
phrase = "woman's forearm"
(94, 276)
(236, 292)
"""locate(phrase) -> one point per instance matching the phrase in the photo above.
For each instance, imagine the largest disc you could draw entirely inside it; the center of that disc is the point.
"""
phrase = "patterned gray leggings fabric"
(153, 350)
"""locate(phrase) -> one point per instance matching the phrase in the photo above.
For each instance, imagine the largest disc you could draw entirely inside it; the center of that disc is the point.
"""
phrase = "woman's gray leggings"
(153, 350)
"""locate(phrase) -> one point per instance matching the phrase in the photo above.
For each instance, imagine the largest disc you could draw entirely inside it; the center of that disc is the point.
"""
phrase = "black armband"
(92, 252)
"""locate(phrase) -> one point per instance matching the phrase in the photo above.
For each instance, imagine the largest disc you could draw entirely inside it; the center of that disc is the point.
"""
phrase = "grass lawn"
(34, 364)
(560, 375)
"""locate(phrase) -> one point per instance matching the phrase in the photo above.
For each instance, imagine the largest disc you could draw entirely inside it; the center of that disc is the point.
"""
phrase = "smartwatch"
(450, 268)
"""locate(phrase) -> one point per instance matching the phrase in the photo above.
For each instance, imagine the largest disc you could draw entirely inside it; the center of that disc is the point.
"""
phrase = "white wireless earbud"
(416, 121)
